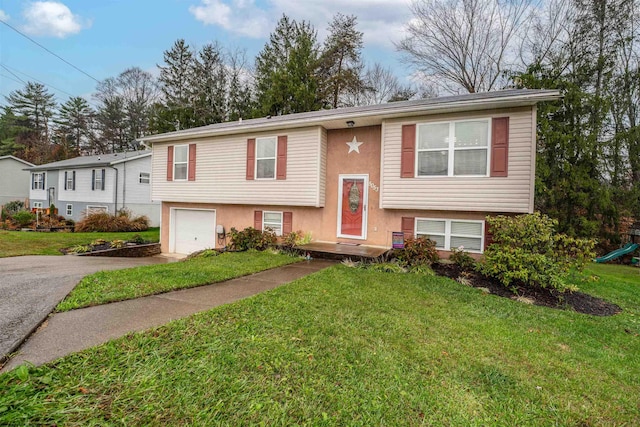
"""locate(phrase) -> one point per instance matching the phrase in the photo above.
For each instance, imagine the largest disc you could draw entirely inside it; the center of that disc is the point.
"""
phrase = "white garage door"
(193, 230)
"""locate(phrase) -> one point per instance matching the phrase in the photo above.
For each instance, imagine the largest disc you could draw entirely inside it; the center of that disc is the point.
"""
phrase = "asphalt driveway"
(32, 286)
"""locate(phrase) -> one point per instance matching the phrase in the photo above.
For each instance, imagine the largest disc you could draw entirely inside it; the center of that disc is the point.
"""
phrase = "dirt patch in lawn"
(577, 301)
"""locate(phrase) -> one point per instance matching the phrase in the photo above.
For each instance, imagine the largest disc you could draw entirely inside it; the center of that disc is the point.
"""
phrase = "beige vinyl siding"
(506, 194)
(221, 172)
(322, 175)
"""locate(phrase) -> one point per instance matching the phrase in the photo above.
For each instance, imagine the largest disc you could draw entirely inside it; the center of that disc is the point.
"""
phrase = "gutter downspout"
(116, 189)
(124, 184)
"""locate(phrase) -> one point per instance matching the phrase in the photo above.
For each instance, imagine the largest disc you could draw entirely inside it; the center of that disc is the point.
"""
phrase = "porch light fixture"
(350, 123)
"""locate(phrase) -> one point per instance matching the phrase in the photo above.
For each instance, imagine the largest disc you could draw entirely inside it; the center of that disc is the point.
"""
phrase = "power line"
(11, 78)
(52, 53)
(13, 74)
(6, 67)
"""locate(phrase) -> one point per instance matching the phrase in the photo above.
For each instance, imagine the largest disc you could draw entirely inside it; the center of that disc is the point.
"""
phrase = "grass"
(354, 347)
(16, 243)
(118, 285)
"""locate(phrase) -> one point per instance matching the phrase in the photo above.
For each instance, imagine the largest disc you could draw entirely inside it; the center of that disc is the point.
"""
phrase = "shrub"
(117, 244)
(79, 249)
(137, 239)
(13, 207)
(387, 267)
(23, 218)
(526, 250)
(296, 238)
(105, 222)
(418, 251)
(250, 238)
(461, 258)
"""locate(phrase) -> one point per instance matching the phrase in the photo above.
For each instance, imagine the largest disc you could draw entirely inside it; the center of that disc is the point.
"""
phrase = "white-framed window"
(266, 149)
(98, 176)
(96, 209)
(180, 162)
(452, 233)
(272, 220)
(456, 148)
(36, 205)
(37, 181)
(145, 178)
(69, 209)
(70, 180)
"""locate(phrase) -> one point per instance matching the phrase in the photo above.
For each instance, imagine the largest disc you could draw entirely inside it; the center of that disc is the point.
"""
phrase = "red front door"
(352, 213)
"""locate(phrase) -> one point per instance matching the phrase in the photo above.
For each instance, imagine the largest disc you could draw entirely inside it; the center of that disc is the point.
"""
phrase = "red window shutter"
(281, 166)
(257, 220)
(500, 146)
(488, 237)
(287, 222)
(408, 224)
(408, 155)
(251, 158)
(192, 162)
(170, 163)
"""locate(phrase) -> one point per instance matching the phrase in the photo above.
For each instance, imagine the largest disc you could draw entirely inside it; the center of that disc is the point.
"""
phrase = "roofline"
(384, 111)
(115, 162)
(87, 165)
(18, 159)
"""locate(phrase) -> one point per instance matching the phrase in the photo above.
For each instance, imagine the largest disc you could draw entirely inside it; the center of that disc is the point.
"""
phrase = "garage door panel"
(194, 230)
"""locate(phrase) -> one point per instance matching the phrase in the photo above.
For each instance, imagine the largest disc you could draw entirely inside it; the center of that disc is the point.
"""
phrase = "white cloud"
(381, 21)
(3, 16)
(238, 16)
(50, 18)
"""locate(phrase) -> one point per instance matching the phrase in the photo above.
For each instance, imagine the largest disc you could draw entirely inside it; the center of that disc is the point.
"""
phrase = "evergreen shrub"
(527, 251)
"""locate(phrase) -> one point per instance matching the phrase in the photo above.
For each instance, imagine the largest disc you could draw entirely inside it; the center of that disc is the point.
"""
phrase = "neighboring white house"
(14, 180)
(105, 182)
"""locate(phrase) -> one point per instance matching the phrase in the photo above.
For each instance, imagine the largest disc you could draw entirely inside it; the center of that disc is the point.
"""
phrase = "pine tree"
(286, 80)
(34, 107)
(74, 124)
(341, 65)
(176, 110)
(209, 86)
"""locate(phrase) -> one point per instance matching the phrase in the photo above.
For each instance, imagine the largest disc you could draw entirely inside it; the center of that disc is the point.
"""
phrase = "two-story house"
(434, 167)
(99, 183)
(14, 180)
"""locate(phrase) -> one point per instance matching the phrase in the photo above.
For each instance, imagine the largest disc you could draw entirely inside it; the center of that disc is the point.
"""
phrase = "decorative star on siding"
(354, 145)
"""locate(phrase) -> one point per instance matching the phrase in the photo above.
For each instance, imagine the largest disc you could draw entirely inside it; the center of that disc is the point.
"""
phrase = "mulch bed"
(577, 301)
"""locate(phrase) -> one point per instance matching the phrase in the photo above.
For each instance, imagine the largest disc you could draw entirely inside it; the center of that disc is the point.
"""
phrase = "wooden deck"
(341, 251)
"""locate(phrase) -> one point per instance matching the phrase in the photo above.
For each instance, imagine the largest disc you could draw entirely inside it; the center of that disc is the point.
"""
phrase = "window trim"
(274, 158)
(36, 205)
(89, 207)
(70, 181)
(38, 183)
(148, 178)
(69, 209)
(98, 176)
(452, 149)
(447, 232)
(281, 213)
(186, 162)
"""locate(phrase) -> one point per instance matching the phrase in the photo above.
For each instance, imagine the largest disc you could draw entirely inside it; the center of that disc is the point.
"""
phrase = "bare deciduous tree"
(465, 45)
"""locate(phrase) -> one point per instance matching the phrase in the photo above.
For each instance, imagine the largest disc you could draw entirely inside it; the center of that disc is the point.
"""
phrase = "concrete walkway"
(72, 331)
(32, 286)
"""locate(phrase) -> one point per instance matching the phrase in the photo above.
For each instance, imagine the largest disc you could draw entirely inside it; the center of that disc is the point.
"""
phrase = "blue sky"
(104, 37)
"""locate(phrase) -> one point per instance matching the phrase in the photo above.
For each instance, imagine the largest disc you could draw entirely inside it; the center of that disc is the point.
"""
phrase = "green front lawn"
(118, 285)
(16, 243)
(353, 347)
